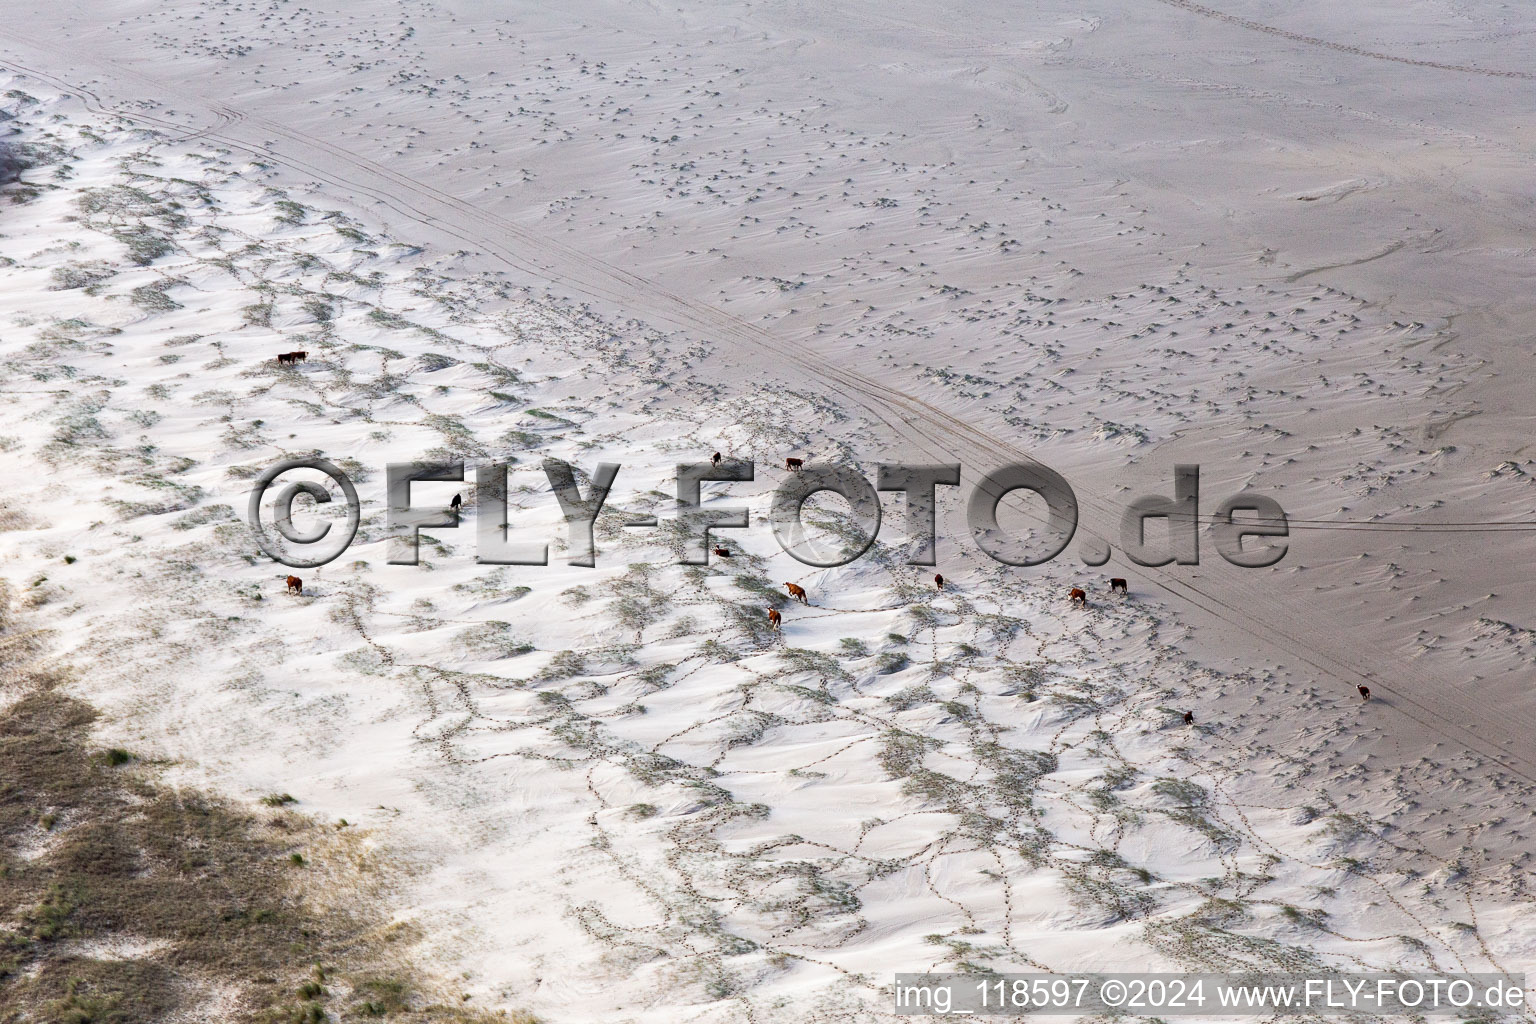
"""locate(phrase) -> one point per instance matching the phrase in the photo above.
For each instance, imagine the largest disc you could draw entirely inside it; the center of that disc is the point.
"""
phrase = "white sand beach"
(1288, 243)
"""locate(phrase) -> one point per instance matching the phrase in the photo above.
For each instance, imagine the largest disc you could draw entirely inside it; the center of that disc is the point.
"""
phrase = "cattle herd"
(1076, 596)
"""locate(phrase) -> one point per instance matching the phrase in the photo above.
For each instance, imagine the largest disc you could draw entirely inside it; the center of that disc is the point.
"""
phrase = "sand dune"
(1281, 244)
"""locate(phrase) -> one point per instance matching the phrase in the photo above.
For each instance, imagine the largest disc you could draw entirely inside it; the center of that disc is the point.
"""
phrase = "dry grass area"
(123, 901)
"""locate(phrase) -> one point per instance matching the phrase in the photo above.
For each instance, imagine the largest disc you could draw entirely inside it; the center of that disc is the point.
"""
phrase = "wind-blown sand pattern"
(617, 793)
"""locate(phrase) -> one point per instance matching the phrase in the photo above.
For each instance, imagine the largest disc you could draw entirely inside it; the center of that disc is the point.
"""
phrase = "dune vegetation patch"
(126, 901)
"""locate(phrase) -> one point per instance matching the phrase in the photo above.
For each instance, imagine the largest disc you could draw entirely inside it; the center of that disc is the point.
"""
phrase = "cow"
(794, 465)
(301, 357)
(715, 459)
(295, 585)
(1189, 718)
(284, 357)
(1079, 596)
(1118, 583)
(938, 580)
(797, 592)
(457, 502)
(1365, 691)
(722, 552)
(774, 617)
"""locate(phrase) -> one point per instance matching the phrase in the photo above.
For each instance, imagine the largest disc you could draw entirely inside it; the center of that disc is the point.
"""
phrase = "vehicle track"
(1358, 51)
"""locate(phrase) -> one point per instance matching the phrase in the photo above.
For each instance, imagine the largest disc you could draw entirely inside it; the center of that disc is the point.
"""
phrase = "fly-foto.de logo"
(1243, 529)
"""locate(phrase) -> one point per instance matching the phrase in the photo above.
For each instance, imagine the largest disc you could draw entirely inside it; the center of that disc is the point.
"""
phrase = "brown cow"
(793, 465)
(774, 617)
(797, 592)
(1365, 691)
(938, 580)
(1119, 584)
(722, 552)
(457, 503)
(284, 357)
(1079, 596)
(302, 357)
(1189, 718)
(715, 459)
(295, 585)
